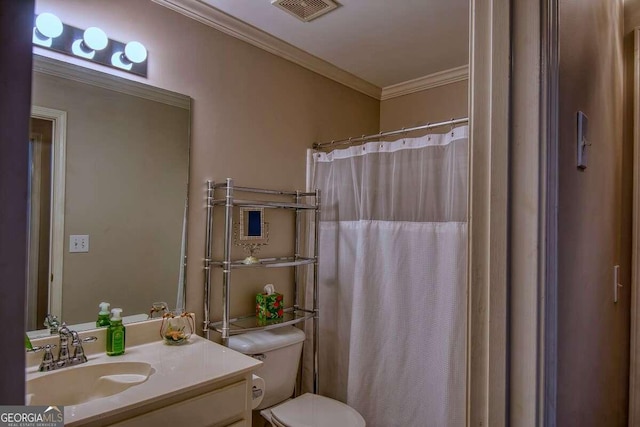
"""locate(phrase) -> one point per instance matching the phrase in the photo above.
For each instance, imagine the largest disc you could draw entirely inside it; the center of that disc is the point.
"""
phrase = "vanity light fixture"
(47, 27)
(134, 53)
(91, 44)
(93, 39)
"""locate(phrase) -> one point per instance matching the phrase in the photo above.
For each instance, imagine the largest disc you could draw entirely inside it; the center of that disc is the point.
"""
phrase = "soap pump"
(115, 334)
(103, 315)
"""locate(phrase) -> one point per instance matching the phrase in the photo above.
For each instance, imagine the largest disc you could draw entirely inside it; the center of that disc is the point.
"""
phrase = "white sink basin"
(83, 383)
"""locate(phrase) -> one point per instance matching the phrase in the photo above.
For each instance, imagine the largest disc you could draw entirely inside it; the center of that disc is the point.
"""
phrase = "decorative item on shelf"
(158, 310)
(269, 305)
(251, 233)
(176, 328)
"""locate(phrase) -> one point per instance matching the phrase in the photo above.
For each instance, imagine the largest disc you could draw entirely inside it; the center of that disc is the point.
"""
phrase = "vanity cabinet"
(227, 406)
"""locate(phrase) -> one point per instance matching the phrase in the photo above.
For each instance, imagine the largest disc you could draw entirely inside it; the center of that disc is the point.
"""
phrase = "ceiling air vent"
(305, 10)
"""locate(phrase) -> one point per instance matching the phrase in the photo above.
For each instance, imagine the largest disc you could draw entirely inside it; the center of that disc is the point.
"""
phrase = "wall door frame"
(634, 373)
(512, 329)
(489, 114)
(58, 170)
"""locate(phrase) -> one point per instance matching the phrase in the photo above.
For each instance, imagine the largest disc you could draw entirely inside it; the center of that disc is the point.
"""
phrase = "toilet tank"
(279, 349)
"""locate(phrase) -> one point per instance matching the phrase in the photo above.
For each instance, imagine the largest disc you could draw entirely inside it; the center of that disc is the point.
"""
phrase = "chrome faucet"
(52, 323)
(63, 351)
(64, 359)
(78, 352)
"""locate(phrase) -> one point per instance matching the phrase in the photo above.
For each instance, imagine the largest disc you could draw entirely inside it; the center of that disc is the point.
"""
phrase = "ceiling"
(383, 42)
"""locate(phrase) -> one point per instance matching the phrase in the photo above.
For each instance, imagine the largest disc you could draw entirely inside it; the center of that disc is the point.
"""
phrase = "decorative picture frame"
(251, 232)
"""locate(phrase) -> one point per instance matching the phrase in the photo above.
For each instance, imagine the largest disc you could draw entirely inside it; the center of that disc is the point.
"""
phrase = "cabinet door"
(205, 410)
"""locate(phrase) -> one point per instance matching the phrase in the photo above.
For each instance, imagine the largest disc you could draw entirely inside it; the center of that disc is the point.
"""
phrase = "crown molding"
(208, 15)
(54, 67)
(431, 81)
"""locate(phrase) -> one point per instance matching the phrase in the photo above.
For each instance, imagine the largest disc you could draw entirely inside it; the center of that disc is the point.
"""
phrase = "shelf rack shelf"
(265, 204)
(268, 262)
(250, 323)
(293, 315)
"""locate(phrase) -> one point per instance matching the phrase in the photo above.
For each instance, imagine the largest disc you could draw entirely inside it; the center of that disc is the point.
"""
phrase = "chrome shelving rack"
(292, 315)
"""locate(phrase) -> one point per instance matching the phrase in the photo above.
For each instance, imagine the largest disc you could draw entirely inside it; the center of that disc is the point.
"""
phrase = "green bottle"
(115, 334)
(103, 315)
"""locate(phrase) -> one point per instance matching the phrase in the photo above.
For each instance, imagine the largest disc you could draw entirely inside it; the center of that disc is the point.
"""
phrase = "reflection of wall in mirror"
(127, 171)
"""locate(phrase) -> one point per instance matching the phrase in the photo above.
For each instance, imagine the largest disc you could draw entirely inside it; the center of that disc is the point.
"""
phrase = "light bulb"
(95, 39)
(135, 52)
(119, 60)
(49, 25)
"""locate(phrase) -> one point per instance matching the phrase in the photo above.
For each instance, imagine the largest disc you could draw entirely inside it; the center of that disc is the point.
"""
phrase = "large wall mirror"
(107, 195)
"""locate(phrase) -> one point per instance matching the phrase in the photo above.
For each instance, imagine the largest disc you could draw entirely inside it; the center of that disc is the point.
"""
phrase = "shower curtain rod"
(363, 138)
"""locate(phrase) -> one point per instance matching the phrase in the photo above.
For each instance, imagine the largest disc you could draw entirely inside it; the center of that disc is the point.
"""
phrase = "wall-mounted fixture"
(91, 44)
(306, 10)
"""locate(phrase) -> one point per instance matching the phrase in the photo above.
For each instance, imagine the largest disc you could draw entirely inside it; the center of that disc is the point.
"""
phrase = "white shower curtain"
(393, 250)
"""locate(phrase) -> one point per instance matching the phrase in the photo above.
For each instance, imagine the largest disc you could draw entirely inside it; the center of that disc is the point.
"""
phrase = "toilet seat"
(312, 410)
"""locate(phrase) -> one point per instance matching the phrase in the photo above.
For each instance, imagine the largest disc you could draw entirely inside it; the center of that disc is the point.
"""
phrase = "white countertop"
(177, 369)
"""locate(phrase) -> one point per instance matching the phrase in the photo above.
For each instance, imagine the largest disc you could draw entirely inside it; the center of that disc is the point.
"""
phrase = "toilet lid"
(312, 410)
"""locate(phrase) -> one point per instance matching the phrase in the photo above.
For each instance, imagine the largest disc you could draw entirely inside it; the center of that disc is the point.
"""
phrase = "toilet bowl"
(280, 350)
(312, 410)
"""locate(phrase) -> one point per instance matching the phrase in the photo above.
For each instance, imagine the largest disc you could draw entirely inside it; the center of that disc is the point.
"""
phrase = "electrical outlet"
(79, 243)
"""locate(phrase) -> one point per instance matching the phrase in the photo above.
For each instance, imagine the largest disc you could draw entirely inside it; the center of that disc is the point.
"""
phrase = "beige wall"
(593, 343)
(254, 115)
(126, 179)
(431, 105)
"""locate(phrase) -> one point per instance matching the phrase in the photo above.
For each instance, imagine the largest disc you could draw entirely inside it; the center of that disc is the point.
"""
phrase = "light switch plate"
(79, 243)
(583, 142)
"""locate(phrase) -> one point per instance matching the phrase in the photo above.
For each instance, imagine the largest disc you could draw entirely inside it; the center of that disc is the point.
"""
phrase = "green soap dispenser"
(115, 334)
(103, 315)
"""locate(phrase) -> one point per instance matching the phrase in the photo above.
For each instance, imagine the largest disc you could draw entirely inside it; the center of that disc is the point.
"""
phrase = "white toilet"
(280, 350)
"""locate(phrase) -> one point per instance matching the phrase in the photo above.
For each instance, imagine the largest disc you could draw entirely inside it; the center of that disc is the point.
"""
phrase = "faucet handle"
(52, 323)
(78, 352)
(38, 349)
(48, 362)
